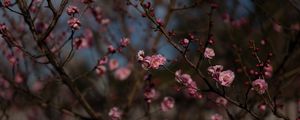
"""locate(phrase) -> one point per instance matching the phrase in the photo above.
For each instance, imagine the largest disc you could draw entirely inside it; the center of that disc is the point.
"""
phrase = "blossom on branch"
(260, 86)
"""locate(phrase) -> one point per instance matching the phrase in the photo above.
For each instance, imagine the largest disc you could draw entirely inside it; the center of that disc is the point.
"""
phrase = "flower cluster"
(150, 62)
(225, 78)
(167, 104)
(260, 86)
(187, 81)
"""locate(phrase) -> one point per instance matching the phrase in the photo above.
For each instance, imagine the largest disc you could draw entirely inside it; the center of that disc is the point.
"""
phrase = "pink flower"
(216, 117)
(151, 62)
(113, 64)
(262, 107)
(215, 69)
(111, 49)
(100, 70)
(105, 21)
(103, 61)
(124, 42)
(122, 73)
(277, 27)
(260, 86)
(19, 78)
(226, 78)
(115, 113)
(6, 3)
(187, 81)
(221, 101)
(141, 55)
(149, 94)
(167, 104)
(71, 10)
(81, 42)
(184, 42)
(157, 60)
(74, 23)
(268, 71)
(37, 86)
(209, 53)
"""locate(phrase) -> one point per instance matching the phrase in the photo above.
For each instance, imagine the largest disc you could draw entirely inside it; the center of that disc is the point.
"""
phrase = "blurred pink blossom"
(113, 64)
(260, 86)
(167, 104)
(122, 73)
(115, 113)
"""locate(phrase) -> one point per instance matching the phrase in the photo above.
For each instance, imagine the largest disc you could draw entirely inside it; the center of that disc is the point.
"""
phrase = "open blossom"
(209, 53)
(260, 86)
(151, 62)
(74, 23)
(113, 64)
(71, 10)
(122, 73)
(221, 101)
(167, 104)
(216, 117)
(226, 78)
(115, 113)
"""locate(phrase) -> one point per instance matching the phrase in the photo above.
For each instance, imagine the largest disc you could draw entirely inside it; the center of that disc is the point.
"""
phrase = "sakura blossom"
(124, 42)
(149, 94)
(226, 78)
(167, 104)
(184, 42)
(151, 62)
(122, 73)
(115, 113)
(113, 64)
(209, 53)
(187, 81)
(260, 86)
(100, 70)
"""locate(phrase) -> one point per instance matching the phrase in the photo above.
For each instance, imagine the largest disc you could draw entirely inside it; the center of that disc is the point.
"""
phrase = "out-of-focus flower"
(277, 27)
(74, 23)
(262, 107)
(71, 10)
(149, 94)
(141, 55)
(187, 81)
(124, 42)
(105, 21)
(122, 73)
(37, 86)
(260, 86)
(19, 78)
(209, 53)
(216, 117)
(113, 64)
(184, 42)
(111, 49)
(6, 3)
(115, 113)
(100, 70)
(221, 101)
(226, 78)
(81, 42)
(167, 104)
(268, 71)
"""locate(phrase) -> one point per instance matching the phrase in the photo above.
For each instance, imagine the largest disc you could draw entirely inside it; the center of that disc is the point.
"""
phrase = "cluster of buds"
(224, 78)
(74, 23)
(72, 10)
(189, 84)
